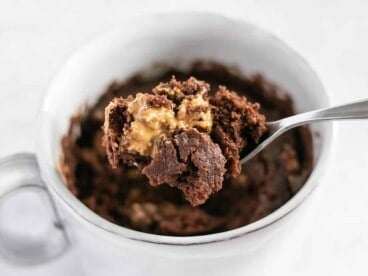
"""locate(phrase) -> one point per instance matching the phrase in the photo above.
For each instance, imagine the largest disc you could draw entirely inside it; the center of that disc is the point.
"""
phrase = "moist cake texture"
(123, 195)
(190, 161)
(168, 135)
(237, 123)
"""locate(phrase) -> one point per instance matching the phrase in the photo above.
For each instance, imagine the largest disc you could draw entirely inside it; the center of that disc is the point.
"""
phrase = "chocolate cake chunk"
(190, 161)
(166, 134)
(159, 133)
(118, 119)
(177, 90)
(237, 122)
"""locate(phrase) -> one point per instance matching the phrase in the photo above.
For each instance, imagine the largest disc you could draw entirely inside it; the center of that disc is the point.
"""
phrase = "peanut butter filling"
(150, 122)
(195, 112)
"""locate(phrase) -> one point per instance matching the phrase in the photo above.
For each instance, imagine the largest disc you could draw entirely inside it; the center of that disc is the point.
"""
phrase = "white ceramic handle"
(19, 172)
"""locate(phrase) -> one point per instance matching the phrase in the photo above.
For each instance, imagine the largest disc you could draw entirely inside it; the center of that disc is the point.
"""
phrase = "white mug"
(175, 39)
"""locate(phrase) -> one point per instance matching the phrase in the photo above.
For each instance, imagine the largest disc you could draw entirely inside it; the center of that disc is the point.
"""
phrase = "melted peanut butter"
(152, 122)
(201, 117)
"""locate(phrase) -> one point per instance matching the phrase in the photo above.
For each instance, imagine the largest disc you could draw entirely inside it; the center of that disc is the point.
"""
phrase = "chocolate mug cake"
(123, 194)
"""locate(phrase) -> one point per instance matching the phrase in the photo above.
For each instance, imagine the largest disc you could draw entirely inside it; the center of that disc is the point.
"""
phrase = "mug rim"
(92, 219)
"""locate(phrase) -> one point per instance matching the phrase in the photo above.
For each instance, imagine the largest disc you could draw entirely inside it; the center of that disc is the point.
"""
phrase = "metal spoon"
(354, 110)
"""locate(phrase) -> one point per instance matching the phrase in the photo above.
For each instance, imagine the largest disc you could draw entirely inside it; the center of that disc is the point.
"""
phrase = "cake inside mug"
(188, 131)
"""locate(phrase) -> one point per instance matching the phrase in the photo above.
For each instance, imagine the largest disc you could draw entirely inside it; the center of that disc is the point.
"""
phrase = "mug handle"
(20, 172)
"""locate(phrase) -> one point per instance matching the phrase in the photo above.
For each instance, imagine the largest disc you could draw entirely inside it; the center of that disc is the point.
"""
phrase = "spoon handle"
(354, 110)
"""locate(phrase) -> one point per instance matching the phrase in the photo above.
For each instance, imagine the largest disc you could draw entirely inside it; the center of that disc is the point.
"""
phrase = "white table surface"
(36, 36)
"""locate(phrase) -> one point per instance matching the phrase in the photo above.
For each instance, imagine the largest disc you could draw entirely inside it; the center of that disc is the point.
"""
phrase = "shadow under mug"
(175, 39)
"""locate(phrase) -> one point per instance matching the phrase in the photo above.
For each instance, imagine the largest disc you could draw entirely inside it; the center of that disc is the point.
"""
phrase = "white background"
(37, 36)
